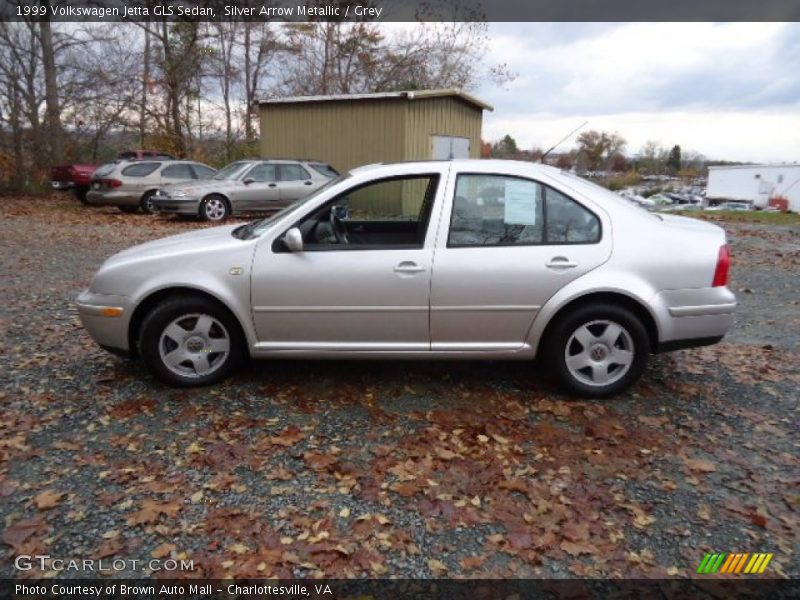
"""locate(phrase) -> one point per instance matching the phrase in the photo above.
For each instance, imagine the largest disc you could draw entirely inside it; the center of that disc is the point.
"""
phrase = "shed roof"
(409, 95)
(756, 166)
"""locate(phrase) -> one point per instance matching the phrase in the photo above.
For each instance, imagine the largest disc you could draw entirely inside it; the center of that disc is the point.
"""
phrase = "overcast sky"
(726, 90)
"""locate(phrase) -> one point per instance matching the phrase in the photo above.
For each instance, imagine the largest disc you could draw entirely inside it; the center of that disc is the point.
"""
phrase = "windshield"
(254, 228)
(231, 172)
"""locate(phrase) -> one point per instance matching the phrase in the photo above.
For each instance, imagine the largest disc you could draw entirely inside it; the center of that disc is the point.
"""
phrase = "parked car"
(245, 186)
(78, 178)
(402, 261)
(130, 185)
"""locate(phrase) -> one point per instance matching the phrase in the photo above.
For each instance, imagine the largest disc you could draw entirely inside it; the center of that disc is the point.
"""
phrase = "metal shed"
(347, 131)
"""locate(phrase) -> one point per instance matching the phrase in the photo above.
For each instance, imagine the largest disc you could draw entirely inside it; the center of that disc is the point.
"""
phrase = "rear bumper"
(110, 332)
(188, 206)
(106, 198)
(693, 317)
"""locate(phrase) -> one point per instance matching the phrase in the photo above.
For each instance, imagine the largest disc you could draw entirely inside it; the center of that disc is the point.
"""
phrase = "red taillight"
(723, 267)
(113, 183)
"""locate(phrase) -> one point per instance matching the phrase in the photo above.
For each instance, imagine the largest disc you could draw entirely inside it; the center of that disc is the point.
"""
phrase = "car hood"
(211, 239)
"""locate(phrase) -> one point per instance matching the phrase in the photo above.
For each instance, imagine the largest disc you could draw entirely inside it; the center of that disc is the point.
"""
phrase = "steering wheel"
(339, 229)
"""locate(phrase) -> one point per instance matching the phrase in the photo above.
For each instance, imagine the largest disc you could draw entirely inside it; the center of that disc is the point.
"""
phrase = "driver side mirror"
(293, 240)
(248, 181)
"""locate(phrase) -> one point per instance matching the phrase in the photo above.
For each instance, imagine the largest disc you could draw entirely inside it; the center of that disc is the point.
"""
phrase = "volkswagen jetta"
(453, 259)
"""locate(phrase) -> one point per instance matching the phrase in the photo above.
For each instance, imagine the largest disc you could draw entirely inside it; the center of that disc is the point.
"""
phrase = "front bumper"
(112, 198)
(106, 317)
(693, 317)
(176, 206)
(61, 185)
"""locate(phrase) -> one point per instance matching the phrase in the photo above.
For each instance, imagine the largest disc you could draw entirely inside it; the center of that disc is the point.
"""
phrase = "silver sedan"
(455, 259)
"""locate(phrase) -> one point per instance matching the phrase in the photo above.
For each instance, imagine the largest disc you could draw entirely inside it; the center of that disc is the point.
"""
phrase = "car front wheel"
(190, 341)
(213, 208)
(599, 351)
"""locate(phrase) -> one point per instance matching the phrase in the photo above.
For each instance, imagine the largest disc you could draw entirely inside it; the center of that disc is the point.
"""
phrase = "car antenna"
(562, 140)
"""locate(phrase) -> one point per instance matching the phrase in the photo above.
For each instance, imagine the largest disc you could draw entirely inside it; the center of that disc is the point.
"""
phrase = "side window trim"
(545, 188)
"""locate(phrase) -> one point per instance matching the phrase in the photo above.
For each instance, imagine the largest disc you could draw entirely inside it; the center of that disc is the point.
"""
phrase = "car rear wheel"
(189, 341)
(146, 203)
(214, 208)
(129, 209)
(598, 350)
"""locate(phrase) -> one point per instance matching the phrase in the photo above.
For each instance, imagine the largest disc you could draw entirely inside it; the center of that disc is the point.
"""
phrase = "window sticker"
(521, 202)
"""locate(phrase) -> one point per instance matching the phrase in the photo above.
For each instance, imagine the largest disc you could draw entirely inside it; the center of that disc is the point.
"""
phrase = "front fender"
(232, 290)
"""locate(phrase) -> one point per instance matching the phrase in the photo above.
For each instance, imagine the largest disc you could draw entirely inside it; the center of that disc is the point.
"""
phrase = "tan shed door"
(447, 147)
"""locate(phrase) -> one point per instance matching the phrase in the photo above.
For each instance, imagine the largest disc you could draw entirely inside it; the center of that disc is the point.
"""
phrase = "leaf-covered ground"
(384, 469)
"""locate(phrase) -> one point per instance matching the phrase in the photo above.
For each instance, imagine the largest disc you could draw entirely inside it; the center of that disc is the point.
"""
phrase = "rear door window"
(180, 171)
(293, 173)
(140, 169)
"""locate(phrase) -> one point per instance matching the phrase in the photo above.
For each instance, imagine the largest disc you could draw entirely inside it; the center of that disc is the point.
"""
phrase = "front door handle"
(408, 267)
(561, 262)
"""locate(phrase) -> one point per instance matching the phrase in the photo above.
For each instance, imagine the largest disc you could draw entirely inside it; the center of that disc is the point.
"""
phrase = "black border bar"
(403, 10)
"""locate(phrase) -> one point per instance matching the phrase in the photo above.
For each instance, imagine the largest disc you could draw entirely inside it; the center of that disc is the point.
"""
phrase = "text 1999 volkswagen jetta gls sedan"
(453, 259)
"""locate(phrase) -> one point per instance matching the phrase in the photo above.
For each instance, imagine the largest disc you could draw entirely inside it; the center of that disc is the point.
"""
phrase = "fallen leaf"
(162, 550)
(47, 499)
(437, 567)
(699, 464)
(578, 548)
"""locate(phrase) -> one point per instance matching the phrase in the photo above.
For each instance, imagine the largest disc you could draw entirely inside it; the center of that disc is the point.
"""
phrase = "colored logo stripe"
(734, 563)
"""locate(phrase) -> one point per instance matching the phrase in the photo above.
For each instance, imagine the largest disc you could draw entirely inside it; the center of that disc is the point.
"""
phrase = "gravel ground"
(386, 469)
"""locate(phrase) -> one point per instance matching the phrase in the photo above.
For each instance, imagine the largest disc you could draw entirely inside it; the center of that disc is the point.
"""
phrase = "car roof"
(465, 164)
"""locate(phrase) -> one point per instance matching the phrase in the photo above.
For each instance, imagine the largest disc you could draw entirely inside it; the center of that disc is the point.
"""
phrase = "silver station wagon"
(456, 259)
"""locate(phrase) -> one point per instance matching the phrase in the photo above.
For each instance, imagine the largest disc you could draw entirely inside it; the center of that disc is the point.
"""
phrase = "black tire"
(80, 193)
(185, 313)
(214, 208)
(146, 203)
(129, 210)
(591, 322)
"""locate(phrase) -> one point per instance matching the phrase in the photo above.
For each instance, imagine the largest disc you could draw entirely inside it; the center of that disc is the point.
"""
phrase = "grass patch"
(740, 216)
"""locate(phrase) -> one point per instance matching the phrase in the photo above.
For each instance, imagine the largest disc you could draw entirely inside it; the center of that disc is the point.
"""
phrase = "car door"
(257, 189)
(507, 245)
(368, 295)
(294, 182)
(176, 173)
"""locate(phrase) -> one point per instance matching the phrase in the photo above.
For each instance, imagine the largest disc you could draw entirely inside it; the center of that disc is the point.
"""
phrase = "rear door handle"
(561, 262)
(408, 267)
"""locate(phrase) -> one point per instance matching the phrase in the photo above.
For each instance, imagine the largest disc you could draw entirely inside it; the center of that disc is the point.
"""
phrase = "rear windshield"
(142, 169)
(105, 169)
(323, 169)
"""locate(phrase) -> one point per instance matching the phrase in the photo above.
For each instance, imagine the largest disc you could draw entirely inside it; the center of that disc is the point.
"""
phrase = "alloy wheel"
(599, 353)
(194, 345)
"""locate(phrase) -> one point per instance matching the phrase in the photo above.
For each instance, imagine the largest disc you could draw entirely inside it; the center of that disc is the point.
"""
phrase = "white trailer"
(755, 184)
